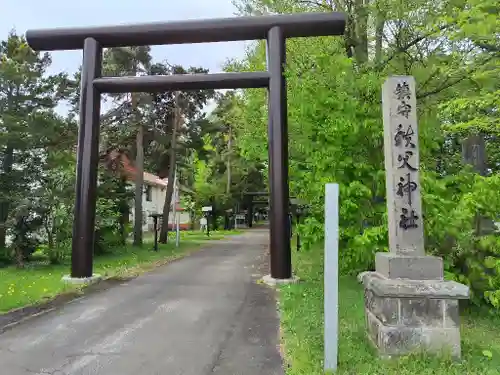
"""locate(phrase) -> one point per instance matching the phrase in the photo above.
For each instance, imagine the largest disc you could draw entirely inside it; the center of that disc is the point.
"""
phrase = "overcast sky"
(30, 14)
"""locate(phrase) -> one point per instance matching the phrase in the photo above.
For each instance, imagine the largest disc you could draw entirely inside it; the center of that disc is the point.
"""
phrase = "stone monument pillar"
(408, 305)
(474, 154)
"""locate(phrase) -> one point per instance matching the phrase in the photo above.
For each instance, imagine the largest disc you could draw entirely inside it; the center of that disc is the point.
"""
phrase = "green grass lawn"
(37, 282)
(301, 308)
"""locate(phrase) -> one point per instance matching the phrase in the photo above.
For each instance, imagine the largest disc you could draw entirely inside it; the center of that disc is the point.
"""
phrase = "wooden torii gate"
(275, 29)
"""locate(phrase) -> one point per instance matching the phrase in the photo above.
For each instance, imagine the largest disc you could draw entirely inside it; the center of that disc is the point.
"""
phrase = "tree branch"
(319, 4)
(448, 84)
(411, 44)
(441, 88)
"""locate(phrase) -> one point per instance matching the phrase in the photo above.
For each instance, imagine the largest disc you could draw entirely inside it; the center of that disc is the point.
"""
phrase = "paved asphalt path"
(203, 314)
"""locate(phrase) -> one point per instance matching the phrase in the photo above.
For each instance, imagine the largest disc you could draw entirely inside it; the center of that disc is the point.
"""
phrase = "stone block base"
(271, 281)
(395, 266)
(405, 316)
(396, 340)
(82, 281)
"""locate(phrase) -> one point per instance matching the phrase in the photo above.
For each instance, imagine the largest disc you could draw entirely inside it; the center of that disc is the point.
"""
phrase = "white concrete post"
(331, 276)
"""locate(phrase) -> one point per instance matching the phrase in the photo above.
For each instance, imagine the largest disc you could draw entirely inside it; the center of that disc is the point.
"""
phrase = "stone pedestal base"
(405, 316)
(82, 281)
(271, 281)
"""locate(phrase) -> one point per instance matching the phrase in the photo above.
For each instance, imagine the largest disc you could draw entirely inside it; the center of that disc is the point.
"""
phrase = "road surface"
(203, 314)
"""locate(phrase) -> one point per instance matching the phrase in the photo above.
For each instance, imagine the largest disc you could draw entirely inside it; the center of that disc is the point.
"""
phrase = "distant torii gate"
(275, 29)
(250, 202)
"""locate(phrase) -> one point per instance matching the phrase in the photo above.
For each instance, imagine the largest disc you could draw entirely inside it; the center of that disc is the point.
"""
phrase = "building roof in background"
(155, 180)
(115, 156)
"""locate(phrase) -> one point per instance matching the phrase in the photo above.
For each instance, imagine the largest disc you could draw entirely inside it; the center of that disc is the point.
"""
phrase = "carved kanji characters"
(404, 160)
(402, 91)
(402, 135)
(404, 109)
(408, 219)
(406, 186)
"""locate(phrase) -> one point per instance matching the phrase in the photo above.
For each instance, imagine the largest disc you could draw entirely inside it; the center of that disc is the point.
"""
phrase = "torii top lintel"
(190, 31)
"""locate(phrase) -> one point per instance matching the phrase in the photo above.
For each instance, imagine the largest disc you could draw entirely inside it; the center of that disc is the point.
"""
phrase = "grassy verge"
(38, 281)
(301, 309)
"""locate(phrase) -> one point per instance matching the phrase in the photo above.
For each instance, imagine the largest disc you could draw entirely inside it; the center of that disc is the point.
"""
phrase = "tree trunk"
(171, 173)
(5, 204)
(192, 218)
(229, 147)
(379, 35)
(124, 211)
(361, 31)
(50, 235)
(139, 177)
(53, 252)
(214, 214)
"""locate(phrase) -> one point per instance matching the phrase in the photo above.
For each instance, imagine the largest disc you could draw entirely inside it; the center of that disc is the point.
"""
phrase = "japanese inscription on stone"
(402, 166)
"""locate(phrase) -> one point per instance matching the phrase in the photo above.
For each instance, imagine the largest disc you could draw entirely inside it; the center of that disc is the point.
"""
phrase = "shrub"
(455, 209)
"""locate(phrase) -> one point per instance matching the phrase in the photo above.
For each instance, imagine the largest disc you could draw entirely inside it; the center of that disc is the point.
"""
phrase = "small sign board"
(206, 209)
(240, 217)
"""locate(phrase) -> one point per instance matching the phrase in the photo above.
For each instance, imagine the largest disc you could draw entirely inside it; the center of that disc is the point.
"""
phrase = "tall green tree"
(133, 61)
(176, 128)
(28, 97)
(221, 173)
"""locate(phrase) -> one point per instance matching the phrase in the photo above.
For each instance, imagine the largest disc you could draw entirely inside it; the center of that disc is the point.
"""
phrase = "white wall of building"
(154, 205)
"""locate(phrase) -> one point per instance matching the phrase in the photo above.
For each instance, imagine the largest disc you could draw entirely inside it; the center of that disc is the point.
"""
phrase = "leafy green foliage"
(335, 125)
(112, 211)
(452, 206)
(28, 96)
(55, 202)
